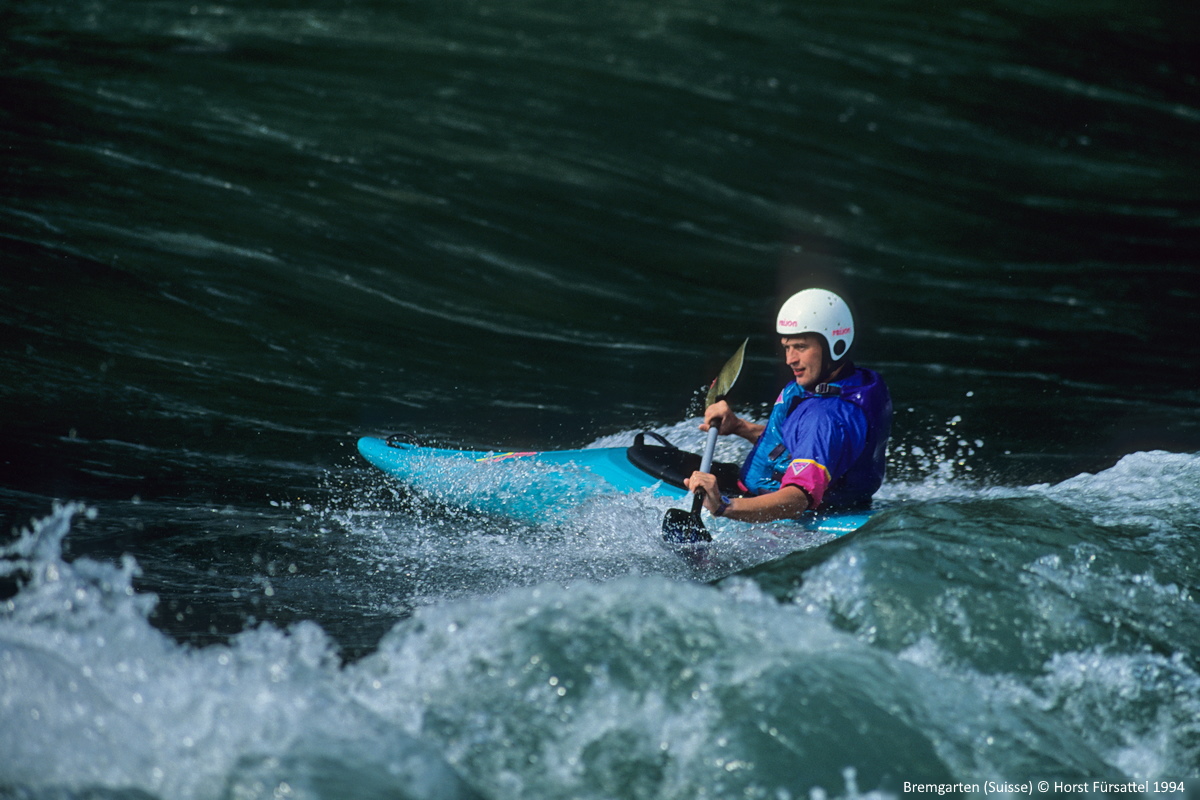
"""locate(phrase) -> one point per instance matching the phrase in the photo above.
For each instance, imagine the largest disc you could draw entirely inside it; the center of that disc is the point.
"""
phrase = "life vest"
(764, 468)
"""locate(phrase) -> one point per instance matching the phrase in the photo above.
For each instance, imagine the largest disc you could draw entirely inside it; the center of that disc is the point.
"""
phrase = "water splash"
(1154, 490)
(941, 459)
(93, 698)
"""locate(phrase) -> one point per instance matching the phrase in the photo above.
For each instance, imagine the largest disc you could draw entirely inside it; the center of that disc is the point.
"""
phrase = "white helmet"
(822, 312)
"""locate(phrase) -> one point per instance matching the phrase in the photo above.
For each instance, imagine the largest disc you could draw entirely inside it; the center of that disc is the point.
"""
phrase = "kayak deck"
(540, 486)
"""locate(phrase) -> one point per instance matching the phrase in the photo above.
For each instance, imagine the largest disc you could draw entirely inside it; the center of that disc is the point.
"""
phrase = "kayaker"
(824, 443)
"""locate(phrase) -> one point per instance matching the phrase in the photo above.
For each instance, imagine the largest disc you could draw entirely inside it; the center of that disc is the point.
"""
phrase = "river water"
(235, 237)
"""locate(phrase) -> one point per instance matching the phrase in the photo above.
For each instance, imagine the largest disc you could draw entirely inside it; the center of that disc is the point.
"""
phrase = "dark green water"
(235, 237)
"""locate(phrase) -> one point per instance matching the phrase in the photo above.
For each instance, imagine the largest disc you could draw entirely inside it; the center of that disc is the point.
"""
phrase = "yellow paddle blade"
(729, 375)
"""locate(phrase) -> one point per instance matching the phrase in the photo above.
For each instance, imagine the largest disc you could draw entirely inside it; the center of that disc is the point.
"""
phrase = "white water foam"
(639, 687)
(93, 696)
(1156, 490)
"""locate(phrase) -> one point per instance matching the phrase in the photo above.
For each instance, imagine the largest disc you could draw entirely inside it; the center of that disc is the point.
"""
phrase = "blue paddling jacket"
(831, 442)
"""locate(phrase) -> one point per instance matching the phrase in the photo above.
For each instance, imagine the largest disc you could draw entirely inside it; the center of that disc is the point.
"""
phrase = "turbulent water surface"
(235, 237)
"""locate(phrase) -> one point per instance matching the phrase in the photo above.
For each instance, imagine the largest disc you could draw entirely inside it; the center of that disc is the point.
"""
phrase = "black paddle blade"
(681, 527)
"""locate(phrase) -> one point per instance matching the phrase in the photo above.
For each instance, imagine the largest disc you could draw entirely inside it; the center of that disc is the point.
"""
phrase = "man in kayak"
(825, 441)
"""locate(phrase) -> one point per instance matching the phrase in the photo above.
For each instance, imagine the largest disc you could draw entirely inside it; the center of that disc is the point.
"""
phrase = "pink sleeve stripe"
(810, 476)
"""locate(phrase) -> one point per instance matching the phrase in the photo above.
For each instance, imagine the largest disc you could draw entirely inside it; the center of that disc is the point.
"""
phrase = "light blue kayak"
(537, 487)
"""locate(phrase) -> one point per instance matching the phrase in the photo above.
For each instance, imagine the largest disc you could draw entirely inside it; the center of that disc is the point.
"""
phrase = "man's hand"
(708, 482)
(722, 416)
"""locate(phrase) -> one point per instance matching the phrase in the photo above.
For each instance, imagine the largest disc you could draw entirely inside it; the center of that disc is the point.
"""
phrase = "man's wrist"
(722, 507)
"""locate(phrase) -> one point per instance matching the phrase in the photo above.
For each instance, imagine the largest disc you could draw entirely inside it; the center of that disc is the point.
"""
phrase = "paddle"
(683, 527)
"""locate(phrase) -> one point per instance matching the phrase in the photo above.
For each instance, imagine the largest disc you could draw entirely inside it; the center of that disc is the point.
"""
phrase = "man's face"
(805, 359)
